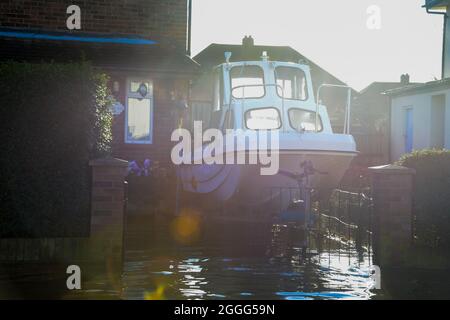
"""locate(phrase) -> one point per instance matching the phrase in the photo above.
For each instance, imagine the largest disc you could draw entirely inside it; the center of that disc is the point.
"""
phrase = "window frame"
(218, 89)
(264, 108)
(312, 112)
(263, 85)
(228, 121)
(306, 83)
(134, 95)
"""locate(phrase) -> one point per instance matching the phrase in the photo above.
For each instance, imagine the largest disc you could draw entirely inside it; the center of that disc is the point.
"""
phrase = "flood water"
(224, 261)
(196, 274)
(232, 262)
(239, 262)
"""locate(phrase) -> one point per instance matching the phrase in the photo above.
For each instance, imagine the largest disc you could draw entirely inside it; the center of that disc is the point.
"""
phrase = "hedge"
(432, 195)
(54, 118)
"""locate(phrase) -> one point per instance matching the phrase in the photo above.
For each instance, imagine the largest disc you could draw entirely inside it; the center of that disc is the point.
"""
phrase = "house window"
(437, 134)
(139, 112)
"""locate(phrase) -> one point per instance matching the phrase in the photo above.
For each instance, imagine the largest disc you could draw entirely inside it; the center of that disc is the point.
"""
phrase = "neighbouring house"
(213, 55)
(420, 114)
(420, 117)
(144, 47)
(370, 122)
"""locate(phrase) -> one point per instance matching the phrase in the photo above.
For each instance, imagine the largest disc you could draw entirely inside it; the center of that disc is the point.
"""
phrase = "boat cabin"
(259, 95)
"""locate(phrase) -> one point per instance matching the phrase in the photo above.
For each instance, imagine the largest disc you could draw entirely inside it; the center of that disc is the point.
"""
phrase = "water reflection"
(227, 263)
(219, 272)
(326, 276)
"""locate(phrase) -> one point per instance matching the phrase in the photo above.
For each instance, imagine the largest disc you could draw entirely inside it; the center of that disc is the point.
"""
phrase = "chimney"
(404, 79)
(248, 41)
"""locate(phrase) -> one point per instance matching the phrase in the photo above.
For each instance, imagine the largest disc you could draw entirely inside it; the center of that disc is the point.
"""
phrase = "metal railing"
(351, 217)
(344, 226)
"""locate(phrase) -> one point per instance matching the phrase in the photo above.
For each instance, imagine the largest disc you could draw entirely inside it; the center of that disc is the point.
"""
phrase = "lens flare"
(158, 294)
(186, 228)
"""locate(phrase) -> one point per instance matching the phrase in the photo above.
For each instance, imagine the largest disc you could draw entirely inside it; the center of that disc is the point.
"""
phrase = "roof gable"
(214, 55)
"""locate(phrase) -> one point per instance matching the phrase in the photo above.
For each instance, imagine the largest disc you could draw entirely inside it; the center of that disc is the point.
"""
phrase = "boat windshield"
(291, 83)
(303, 120)
(263, 119)
(247, 82)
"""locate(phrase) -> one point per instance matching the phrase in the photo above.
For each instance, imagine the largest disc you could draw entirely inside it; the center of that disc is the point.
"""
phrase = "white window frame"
(136, 95)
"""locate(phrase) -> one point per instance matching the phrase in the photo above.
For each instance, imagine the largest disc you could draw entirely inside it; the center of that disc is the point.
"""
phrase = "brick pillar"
(107, 207)
(392, 190)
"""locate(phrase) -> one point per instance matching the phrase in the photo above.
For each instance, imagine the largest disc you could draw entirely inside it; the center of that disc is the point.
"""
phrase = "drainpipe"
(444, 51)
(188, 51)
(429, 11)
(389, 130)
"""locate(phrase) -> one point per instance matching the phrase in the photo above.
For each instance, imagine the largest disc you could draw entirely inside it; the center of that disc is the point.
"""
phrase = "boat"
(271, 98)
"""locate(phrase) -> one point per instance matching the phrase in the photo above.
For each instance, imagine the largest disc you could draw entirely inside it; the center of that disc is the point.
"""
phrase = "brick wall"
(107, 207)
(392, 189)
(161, 20)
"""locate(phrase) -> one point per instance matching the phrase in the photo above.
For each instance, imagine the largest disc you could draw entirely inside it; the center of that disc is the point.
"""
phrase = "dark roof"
(431, 85)
(214, 55)
(108, 55)
(381, 87)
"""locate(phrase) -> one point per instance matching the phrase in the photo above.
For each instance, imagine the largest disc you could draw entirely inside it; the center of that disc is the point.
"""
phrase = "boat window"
(247, 82)
(263, 119)
(303, 120)
(292, 82)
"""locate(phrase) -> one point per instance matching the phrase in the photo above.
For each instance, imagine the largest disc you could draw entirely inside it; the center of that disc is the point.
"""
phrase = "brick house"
(143, 45)
(370, 121)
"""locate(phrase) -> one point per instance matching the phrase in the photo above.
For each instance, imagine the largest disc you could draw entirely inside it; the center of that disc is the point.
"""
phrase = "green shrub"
(432, 194)
(54, 118)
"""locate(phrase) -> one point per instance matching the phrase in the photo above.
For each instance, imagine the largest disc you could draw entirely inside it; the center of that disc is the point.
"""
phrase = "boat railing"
(347, 108)
(256, 86)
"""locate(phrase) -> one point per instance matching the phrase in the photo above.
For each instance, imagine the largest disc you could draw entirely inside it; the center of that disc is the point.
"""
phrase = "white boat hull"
(281, 190)
(244, 184)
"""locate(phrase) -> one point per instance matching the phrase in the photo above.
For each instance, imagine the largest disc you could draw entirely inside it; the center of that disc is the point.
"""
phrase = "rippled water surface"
(236, 264)
(196, 275)
(229, 263)
(197, 260)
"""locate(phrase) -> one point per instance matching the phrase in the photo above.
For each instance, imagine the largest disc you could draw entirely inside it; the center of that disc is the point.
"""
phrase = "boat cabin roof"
(264, 63)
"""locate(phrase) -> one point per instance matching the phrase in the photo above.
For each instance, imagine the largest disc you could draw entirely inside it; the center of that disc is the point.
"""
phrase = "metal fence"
(348, 221)
(343, 224)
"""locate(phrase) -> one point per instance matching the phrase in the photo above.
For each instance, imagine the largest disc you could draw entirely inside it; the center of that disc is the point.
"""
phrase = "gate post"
(392, 191)
(107, 208)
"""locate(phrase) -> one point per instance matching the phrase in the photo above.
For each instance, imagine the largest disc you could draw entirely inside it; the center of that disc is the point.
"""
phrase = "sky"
(332, 33)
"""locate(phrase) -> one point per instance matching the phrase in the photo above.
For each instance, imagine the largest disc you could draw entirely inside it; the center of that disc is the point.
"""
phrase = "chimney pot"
(248, 41)
(404, 79)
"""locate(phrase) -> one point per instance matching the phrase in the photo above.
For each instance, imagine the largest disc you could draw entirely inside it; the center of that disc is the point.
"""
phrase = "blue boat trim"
(43, 36)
